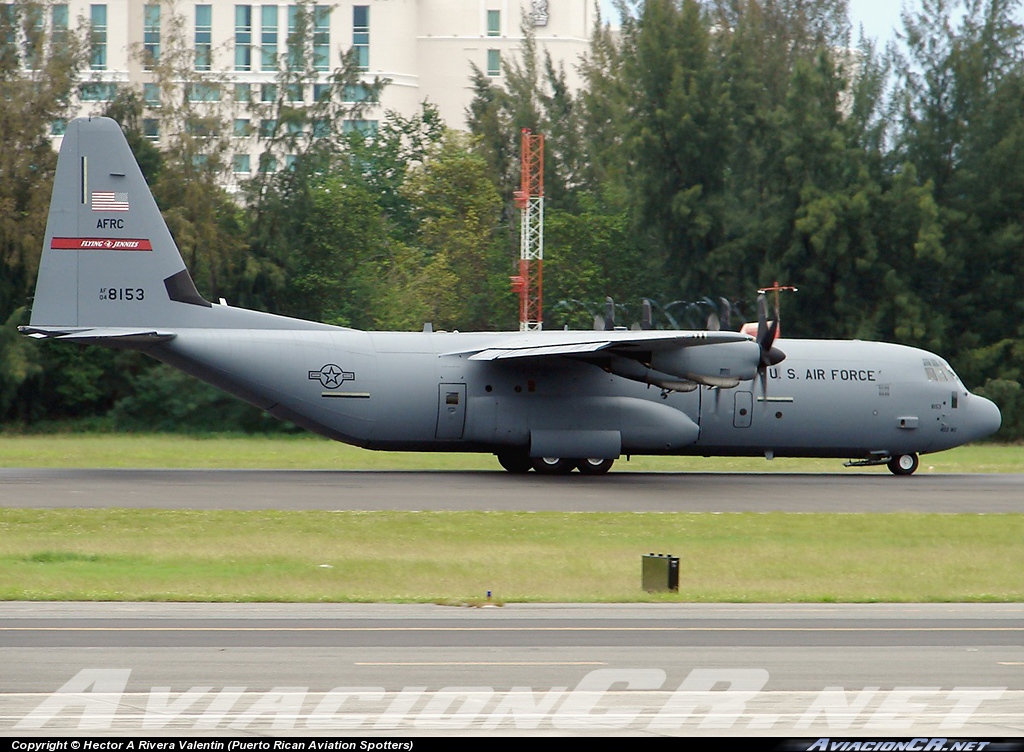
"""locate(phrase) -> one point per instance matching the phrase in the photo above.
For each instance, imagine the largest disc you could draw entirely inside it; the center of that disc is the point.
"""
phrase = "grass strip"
(311, 452)
(456, 557)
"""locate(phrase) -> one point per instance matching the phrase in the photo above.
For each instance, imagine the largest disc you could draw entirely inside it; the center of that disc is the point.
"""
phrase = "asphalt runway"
(394, 670)
(851, 491)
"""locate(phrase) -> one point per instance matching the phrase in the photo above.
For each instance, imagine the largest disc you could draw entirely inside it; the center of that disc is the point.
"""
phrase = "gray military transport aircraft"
(110, 274)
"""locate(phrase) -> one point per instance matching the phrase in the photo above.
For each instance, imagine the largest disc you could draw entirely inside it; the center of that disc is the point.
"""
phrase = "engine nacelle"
(723, 365)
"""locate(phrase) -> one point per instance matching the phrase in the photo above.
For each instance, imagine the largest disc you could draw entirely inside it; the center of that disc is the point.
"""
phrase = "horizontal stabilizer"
(98, 336)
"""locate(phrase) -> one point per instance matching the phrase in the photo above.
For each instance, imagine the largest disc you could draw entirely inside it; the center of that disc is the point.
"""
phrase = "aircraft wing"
(98, 335)
(571, 343)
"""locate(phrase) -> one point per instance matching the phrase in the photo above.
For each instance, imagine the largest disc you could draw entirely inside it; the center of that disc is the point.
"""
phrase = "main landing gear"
(519, 463)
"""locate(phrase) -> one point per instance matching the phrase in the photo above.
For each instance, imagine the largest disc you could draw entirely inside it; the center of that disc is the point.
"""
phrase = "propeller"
(766, 334)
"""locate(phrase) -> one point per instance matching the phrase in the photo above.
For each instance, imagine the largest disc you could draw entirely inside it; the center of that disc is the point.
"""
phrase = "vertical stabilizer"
(108, 259)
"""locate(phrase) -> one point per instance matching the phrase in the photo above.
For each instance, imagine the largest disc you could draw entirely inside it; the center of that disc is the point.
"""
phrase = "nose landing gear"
(903, 464)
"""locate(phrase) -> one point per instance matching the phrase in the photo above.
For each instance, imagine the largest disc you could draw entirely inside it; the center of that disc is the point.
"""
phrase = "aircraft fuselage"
(406, 391)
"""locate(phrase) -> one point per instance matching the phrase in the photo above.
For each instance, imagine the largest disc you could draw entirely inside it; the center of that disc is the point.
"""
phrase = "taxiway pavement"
(657, 669)
(627, 492)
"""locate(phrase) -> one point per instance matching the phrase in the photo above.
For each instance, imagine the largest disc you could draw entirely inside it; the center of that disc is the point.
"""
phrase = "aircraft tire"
(553, 465)
(594, 466)
(903, 464)
(516, 463)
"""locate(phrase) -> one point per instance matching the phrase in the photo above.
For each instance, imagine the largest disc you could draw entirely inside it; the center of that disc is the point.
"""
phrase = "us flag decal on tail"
(109, 201)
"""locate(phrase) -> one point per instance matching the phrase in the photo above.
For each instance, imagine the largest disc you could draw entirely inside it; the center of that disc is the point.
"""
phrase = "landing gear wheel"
(595, 466)
(553, 465)
(903, 464)
(516, 463)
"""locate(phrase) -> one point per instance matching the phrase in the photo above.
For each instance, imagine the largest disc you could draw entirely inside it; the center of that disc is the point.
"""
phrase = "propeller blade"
(609, 314)
(724, 312)
(766, 334)
(762, 319)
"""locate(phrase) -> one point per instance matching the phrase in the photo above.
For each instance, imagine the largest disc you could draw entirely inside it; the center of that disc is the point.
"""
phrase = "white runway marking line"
(485, 663)
(511, 629)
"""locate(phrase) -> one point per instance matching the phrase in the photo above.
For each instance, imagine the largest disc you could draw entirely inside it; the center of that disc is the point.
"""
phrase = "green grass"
(448, 557)
(310, 452)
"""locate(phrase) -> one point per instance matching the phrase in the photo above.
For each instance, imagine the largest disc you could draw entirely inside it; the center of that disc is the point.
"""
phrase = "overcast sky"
(879, 17)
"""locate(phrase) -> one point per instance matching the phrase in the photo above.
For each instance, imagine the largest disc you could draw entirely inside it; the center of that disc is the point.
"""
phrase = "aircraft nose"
(985, 418)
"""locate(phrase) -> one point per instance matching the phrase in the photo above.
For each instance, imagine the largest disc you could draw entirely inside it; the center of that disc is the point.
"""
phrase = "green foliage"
(1009, 396)
(38, 75)
(457, 210)
(167, 400)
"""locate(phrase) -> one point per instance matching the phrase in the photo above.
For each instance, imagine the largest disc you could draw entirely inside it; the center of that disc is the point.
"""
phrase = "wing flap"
(547, 344)
(541, 350)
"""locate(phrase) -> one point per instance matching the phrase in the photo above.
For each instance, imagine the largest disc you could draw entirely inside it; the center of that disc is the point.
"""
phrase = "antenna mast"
(529, 199)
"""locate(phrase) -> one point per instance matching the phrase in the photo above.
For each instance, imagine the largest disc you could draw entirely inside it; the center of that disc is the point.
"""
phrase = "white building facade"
(423, 48)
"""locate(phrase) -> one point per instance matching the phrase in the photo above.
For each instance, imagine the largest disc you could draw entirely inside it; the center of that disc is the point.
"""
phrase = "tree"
(40, 61)
(457, 210)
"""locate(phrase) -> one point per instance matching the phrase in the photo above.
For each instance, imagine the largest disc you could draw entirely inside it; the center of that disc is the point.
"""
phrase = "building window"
(97, 92)
(202, 127)
(33, 29)
(365, 128)
(321, 92)
(202, 92)
(150, 36)
(98, 37)
(58, 127)
(151, 129)
(294, 42)
(358, 93)
(204, 36)
(321, 37)
(59, 17)
(321, 128)
(268, 38)
(296, 93)
(494, 23)
(8, 30)
(267, 128)
(361, 35)
(243, 37)
(151, 94)
(242, 128)
(240, 164)
(268, 92)
(493, 63)
(243, 93)
(268, 163)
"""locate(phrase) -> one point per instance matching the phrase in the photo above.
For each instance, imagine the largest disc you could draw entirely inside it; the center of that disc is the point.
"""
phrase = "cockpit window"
(937, 370)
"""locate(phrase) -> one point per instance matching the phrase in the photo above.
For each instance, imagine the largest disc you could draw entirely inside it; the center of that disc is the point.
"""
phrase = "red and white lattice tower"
(530, 202)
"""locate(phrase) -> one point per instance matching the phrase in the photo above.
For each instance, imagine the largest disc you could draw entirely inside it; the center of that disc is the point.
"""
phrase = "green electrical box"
(659, 572)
